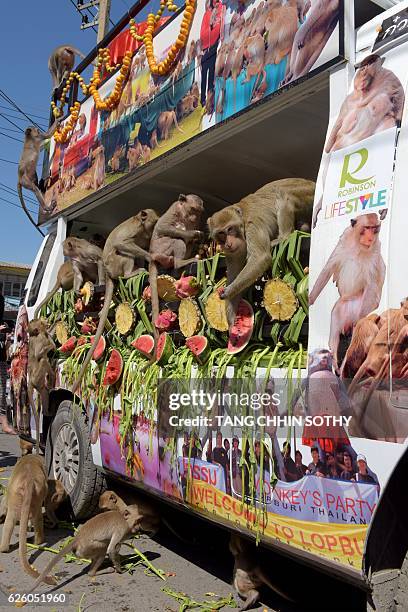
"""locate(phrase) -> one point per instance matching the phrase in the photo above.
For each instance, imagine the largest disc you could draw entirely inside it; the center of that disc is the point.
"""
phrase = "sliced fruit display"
(83, 340)
(124, 318)
(61, 332)
(216, 312)
(199, 346)
(187, 286)
(241, 332)
(166, 288)
(166, 320)
(144, 344)
(88, 326)
(87, 292)
(113, 369)
(69, 345)
(164, 348)
(280, 300)
(189, 317)
(100, 349)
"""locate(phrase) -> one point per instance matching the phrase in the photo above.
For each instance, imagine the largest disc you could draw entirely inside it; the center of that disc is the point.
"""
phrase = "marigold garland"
(62, 134)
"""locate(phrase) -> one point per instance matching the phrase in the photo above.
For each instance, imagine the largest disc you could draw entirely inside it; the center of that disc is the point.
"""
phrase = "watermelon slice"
(241, 332)
(164, 348)
(113, 369)
(99, 349)
(69, 345)
(144, 344)
(198, 345)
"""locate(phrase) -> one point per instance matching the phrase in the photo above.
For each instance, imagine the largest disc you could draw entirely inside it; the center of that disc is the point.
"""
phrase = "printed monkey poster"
(353, 274)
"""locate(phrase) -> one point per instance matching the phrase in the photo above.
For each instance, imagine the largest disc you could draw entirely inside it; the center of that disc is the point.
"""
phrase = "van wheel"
(68, 457)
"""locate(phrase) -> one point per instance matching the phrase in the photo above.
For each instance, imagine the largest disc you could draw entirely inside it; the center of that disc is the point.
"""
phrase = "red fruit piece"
(166, 320)
(187, 286)
(241, 332)
(69, 345)
(113, 369)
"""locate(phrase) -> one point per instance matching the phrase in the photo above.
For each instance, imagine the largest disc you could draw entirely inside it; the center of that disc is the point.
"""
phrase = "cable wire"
(35, 212)
(12, 191)
(12, 137)
(8, 161)
(77, 9)
(10, 101)
(32, 114)
(12, 122)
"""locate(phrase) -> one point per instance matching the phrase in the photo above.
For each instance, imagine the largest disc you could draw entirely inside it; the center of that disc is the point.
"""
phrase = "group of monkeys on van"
(29, 490)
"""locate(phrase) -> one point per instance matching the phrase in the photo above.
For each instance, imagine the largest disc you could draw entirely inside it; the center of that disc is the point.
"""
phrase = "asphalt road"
(201, 566)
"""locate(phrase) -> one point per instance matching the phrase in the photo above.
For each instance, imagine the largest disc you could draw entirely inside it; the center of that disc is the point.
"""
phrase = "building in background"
(13, 278)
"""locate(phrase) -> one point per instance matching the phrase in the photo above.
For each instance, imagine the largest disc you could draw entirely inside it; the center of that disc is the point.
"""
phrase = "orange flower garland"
(164, 67)
(62, 134)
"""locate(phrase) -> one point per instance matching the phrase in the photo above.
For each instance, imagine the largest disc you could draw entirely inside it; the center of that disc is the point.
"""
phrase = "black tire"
(68, 457)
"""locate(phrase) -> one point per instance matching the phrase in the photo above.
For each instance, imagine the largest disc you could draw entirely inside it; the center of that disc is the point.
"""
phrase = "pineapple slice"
(124, 318)
(216, 312)
(189, 317)
(280, 300)
(166, 288)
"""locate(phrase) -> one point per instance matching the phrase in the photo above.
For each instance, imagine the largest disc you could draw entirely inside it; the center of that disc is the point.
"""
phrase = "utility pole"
(101, 19)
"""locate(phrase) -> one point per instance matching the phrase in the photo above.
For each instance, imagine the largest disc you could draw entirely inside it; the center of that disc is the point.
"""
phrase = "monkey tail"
(275, 588)
(155, 299)
(45, 577)
(22, 546)
(46, 299)
(101, 325)
(23, 204)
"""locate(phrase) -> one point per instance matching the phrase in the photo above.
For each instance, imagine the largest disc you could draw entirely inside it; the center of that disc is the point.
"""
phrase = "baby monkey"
(248, 575)
(101, 535)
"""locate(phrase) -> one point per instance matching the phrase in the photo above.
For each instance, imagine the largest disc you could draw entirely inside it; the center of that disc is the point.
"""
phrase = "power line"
(3, 127)
(12, 122)
(32, 114)
(77, 9)
(17, 205)
(10, 101)
(12, 191)
(8, 161)
(11, 137)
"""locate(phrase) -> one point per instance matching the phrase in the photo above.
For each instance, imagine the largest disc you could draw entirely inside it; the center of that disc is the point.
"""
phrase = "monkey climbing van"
(252, 374)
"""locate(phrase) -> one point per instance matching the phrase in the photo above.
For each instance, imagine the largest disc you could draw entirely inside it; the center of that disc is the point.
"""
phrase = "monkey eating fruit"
(247, 231)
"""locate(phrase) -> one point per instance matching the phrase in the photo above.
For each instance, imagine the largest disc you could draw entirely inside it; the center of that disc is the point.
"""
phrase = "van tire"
(68, 457)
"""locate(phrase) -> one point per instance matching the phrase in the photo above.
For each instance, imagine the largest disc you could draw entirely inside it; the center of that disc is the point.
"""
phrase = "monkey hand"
(222, 293)
(197, 235)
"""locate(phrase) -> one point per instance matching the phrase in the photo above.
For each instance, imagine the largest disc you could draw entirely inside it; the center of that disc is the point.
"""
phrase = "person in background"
(1, 306)
(290, 471)
(300, 467)
(333, 471)
(5, 425)
(211, 28)
(236, 474)
(219, 456)
(363, 474)
(348, 472)
(316, 467)
(208, 453)
(227, 447)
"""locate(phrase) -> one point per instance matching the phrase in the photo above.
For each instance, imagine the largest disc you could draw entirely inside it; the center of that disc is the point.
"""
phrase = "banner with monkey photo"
(353, 311)
(237, 54)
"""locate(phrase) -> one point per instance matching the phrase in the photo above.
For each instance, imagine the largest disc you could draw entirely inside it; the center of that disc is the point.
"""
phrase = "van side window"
(39, 273)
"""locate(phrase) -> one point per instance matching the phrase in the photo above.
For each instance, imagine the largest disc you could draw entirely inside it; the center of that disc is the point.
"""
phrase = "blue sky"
(30, 31)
